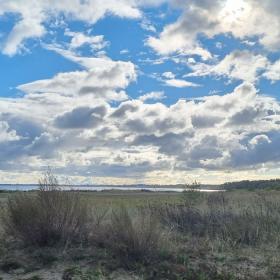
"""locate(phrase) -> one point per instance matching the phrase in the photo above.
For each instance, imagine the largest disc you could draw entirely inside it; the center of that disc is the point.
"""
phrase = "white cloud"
(7, 134)
(80, 39)
(84, 121)
(168, 75)
(35, 13)
(147, 25)
(102, 78)
(124, 51)
(154, 95)
(240, 65)
(24, 29)
(256, 140)
(78, 135)
(219, 45)
(249, 43)
(240, 18)
(179, 83)
(273, 71)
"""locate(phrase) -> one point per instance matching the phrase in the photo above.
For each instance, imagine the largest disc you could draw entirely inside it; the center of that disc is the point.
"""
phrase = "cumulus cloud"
(43, 124)
(218, 120)
(208, 134)
(240, 65)
(239, 18)
(213, 133)
(81, 117)
(85, 121)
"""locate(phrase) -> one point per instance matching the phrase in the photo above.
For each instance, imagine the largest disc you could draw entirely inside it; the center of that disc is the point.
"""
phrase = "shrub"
(99, 225)
(192, 194)
(48, 217)
(134, 237)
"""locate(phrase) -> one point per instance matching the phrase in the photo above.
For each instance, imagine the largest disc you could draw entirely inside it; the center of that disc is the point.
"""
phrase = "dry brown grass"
(253, 223)
(210, 236)
(134, 236)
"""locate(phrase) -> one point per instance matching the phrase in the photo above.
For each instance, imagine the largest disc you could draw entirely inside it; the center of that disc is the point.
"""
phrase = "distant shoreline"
(148, 188)
(245, 184)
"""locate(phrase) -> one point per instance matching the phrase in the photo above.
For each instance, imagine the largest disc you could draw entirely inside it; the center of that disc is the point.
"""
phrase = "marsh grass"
(251, 224)
(189, 236)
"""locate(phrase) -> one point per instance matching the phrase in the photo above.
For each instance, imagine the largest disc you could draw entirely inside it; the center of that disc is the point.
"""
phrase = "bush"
(48, 217)
(192, 195)
(134, 239)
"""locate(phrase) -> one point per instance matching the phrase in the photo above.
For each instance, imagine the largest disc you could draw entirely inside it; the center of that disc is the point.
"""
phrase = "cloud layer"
(90, 121)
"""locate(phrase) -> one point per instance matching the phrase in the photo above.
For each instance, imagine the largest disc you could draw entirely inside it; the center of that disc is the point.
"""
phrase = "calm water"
(100, 188)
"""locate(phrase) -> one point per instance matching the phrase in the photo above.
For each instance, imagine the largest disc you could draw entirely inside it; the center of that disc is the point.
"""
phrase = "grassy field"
(140, 235)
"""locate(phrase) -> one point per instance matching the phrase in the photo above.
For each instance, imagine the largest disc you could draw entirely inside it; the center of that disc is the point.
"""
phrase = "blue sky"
(137, 91)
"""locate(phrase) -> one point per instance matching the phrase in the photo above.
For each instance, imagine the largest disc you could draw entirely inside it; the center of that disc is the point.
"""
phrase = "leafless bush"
(99, 225)
(192, 195)
(48, 217)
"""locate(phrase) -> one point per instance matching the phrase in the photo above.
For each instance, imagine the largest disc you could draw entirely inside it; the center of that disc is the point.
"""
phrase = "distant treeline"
(251, 185)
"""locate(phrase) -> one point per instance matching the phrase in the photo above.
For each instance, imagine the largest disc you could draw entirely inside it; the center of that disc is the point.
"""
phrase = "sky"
(139, 91)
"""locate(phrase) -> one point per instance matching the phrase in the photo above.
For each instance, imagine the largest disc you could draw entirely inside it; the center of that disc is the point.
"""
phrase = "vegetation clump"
(253, 224)
(47, 217)
(135, 237)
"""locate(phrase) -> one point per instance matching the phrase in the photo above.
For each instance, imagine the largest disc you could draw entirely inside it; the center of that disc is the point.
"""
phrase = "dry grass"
(134, 236)
(231, 235)
(251, 224)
